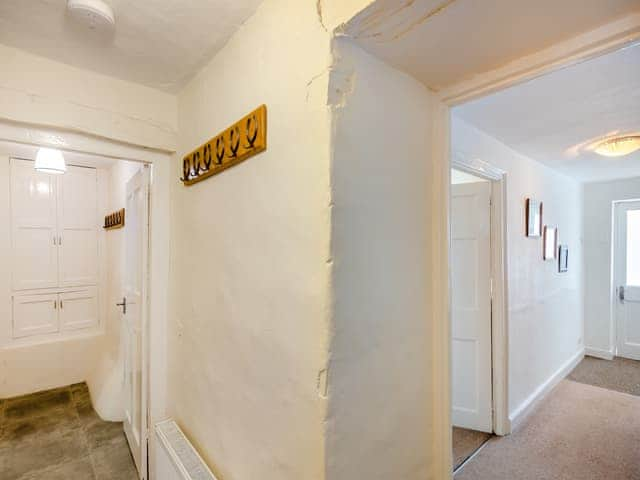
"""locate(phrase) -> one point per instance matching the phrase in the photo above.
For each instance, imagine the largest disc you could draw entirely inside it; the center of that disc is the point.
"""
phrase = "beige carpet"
(465, 443)
(579, 432)
(619, 374)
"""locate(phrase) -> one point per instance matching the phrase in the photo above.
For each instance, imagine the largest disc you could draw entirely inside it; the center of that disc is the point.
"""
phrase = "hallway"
(57, 435)
(580, 431)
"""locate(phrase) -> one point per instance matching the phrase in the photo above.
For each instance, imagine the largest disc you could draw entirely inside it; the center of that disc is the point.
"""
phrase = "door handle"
(621, 293)
(123, 305)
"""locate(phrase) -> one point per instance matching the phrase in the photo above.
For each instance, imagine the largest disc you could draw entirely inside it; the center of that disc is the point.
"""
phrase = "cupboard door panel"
(78, 199)
(33, 219)
(78, 222)
(79, 309)
(78, 255)
(35, 315)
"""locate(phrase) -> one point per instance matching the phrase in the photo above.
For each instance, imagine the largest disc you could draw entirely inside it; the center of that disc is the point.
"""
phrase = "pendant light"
(50, 160)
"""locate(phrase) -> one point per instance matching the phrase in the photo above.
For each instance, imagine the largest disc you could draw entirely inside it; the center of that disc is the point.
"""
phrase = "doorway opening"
(79, 303)
(626, 278)
(477, 280)
(562, 283)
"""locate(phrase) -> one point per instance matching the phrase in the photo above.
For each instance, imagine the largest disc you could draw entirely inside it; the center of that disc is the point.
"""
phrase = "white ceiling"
(159, 43)
(444, 42)
(555, 119)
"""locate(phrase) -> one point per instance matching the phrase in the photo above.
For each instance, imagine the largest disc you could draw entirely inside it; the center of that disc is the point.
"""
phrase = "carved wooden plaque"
(240, 141)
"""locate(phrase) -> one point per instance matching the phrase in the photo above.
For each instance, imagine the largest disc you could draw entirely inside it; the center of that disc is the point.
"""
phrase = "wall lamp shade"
(49, 160)
(617, 147)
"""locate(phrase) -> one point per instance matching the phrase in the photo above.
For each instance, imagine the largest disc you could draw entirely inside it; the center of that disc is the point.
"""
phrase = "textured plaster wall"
(597, 218)
(39, 91)
(337, 12)
(249, 307)
(545, 307)
(379, 421)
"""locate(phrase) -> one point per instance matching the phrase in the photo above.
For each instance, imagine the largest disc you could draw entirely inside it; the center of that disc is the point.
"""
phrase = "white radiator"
(176, 457)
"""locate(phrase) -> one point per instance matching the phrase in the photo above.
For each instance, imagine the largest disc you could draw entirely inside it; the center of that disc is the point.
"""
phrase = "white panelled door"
(627, 278)
(34, 227)
(78, 229)
(471, 306)
(134, 316)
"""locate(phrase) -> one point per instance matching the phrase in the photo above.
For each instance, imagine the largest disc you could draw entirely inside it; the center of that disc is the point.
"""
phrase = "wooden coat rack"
(114, 220)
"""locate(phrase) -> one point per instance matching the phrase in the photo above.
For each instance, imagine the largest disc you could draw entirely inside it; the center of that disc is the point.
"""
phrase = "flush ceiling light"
(49, 160)
(617, 147)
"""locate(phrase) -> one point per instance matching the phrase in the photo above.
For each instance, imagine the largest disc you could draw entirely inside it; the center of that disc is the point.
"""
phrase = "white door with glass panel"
(627, 278)
(471, 306)
(134, 313)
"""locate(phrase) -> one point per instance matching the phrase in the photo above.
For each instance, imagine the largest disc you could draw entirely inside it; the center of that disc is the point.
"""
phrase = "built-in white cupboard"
(54, 238)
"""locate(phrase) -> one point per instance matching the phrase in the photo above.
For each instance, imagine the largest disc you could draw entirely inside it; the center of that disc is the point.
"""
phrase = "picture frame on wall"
(563, 259)
(549, 243)
(533, 218)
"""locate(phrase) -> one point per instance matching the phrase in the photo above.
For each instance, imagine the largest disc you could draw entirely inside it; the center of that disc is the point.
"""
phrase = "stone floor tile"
(114, 461)
(61, 421)
(81, 469)
(100, 433)
(38, 404)
(40, 452)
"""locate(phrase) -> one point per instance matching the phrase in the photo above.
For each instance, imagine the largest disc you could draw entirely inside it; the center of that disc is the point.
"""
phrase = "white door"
(471, 305)
(627, 279)
(35, 314)
(34, 231)
(134, 316)
(77, 227)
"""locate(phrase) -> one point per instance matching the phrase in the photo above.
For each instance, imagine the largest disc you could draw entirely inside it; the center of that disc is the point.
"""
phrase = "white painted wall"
(545, 307)
(105, 381)
(379, 422)
(249, 307)
(39, 91)
(597, 221)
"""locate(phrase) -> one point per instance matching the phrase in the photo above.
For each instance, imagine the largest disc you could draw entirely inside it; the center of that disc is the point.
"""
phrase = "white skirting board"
(599, 353)
(526, 407)
(176, 458)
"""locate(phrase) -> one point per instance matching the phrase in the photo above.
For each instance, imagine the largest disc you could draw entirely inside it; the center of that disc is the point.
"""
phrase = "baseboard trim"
(525, 408)
(599, 353)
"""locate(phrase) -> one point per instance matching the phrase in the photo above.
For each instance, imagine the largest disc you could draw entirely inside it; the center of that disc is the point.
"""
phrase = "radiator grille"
(180, 454)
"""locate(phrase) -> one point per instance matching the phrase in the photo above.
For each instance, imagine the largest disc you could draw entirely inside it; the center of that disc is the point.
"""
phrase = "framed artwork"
(534, 218)
(550, 243)
(563, 258)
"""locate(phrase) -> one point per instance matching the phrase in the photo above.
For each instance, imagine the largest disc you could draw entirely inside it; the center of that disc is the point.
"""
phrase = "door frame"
(609, 38)
(16, 137)
(616, 269)
(499, 298)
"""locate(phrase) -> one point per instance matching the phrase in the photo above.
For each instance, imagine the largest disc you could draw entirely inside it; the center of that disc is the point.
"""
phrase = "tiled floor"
(56, 435)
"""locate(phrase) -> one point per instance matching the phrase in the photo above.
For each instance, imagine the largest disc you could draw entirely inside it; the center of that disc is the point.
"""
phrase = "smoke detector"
(93, 14)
